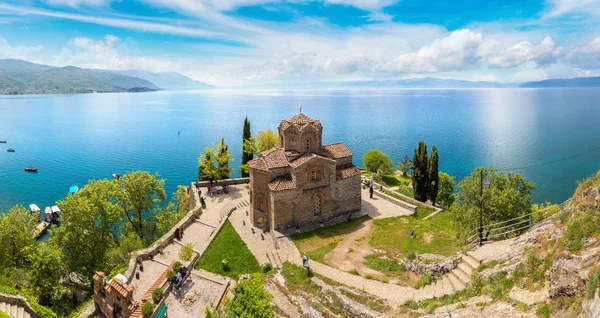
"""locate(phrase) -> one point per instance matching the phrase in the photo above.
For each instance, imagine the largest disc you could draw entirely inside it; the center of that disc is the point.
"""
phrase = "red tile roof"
(347, 171)
(337, 150)
(120, 287)
(282, 183)
(275, 158)
(258, 163)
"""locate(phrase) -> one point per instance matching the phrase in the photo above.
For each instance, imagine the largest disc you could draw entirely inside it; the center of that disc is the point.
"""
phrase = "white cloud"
(76, 3)
(17, 52)
(104, 54)
(543, 54)
(586, 56)
(368, 5)
(559, 7)
(462, 49)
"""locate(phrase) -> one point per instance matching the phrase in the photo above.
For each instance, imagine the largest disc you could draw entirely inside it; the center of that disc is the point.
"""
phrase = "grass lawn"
(435, 235)
(230, 246)
(315, 244)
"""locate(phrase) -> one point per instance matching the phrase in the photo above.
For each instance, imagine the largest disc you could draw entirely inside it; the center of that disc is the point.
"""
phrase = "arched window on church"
(317, 200)
(315, 175)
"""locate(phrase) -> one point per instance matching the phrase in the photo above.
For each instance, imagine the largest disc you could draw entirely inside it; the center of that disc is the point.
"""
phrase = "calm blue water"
(74, 138)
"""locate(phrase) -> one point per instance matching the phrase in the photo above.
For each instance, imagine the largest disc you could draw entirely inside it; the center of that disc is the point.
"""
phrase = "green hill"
(21, 77)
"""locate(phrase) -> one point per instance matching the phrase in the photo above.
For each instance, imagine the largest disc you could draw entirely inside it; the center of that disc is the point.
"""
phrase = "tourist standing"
(371, 191)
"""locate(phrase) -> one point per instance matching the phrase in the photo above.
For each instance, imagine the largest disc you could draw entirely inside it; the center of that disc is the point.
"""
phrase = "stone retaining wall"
(395, 201)
(235, 181)
(405, 198)
(19, 301)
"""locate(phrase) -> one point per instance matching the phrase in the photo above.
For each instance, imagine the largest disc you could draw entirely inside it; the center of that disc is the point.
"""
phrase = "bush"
(543, 311)
(267, 268)
(186, 252)
(411, 304)
(147, 309)
(177, 266)
(411, 255)
(170, 275)
(376, 160)
(578, 230)
(593, 284)
(157, 295)
(424, 281)
(225, 265)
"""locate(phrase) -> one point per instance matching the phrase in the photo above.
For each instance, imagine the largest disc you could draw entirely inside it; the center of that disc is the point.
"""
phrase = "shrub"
(157, 295)
(170, 275)
(147, 309)
(593, 284)
(186, 252)
(424, 281)
(177, 266)
(543, 311)
(578, 230)
(411, 255)
(267, 268)
(411, 304)
(225, 265)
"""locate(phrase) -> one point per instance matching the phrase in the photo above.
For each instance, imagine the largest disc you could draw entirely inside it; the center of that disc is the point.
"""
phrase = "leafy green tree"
(87, 235)
(223, 159)
(404, 165)
(376, 161)
(249, 147)
(433, 179)
(174, 212)
(121, 254)
(446, 195)
(420, 174)
(139, 194)
(251, 299)
(16, 235)
(246, 154)
(207, 165)
(509, 196)
(46, 270)
(265, 140)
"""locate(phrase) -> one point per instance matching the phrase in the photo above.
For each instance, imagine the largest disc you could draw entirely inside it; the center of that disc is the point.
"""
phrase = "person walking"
(371, 191)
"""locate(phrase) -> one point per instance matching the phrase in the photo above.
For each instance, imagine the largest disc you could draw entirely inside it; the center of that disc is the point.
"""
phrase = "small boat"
(31, 169)
(117, 176)
(73, 190)
(55, 213)
(10, 150)
(35, 210)
(48, 212)
(2, 141)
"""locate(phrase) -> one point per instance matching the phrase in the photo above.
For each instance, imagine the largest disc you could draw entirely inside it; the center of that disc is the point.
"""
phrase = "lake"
(553, 133)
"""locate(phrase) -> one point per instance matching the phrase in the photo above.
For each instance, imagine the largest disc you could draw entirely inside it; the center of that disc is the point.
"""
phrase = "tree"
(223, 159)
(265, 140)
(207, 165)
(139, 193)
(377, 161)
(420, 175)
(509, 196)
(246, 154)
(445, 195)
(16, 235)
(251, 299)
(405, 165)
(89, 217)
(249, 147)
(46, 270)
(433, 179)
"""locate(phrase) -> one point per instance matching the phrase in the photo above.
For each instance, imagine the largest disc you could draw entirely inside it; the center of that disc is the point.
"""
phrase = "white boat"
(55, 213)
(48, 212)
(34, 208)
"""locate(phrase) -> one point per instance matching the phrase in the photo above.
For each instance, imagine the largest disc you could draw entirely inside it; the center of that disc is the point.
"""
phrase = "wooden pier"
(40, 229)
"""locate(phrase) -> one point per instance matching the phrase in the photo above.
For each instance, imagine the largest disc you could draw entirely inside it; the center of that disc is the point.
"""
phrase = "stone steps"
(14, 310)
(471, 260)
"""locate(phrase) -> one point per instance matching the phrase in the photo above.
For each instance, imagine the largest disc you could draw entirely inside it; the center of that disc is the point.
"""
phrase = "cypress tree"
(246, 135)
(420, 175)
(434, 178)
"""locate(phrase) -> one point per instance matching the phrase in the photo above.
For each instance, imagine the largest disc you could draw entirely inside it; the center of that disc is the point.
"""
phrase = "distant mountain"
(428, 82)
(21, 77)
(568, 82)
(168, 80)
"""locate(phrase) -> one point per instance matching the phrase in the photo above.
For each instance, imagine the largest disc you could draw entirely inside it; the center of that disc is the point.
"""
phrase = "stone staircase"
(456, 280)
(14, 310)
(243, 203)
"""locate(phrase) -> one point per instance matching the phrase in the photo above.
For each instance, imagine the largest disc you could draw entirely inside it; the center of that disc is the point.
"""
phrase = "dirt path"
(350, 253)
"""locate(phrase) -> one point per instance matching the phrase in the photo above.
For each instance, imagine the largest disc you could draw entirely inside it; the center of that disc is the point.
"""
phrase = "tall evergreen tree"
(420, 175)
(246, 156)
(434, 178)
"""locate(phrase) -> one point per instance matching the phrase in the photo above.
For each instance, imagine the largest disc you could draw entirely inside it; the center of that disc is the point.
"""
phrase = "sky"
(232, 43)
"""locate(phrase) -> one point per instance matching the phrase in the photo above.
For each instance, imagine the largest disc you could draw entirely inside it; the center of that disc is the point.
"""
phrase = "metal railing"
(505, 229)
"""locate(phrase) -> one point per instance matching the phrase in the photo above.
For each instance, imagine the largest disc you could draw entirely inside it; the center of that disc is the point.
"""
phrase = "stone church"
(300, 181)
